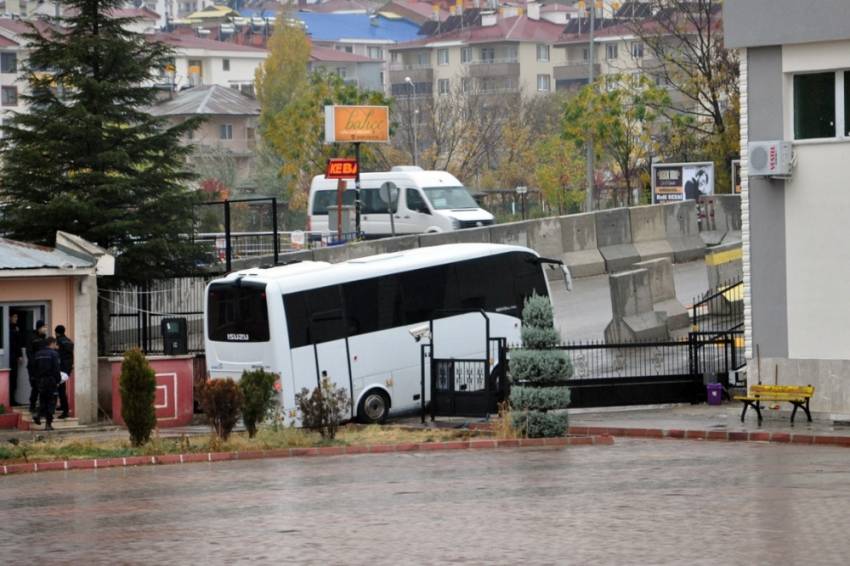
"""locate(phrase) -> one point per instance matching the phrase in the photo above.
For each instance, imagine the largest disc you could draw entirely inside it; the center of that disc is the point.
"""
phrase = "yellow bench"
(797, 395)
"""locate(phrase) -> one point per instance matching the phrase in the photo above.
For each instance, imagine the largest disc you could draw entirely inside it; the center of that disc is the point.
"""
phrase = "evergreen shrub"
(257, 389)
(137, 387)
(525, 398)
(221, 401)
(538, 338)
(540, 366)
(537, 424)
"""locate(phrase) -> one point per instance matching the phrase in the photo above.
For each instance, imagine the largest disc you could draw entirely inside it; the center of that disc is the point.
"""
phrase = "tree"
(297, 133)
(560, 173)
(284, 72)
(86, 157)
(137, 387)
(685, 39)
(257, 389)
(619, 112)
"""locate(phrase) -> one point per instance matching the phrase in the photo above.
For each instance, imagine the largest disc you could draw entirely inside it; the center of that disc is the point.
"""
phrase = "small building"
(230, 123)
(357, 70)
(59, 286)
(795, 86)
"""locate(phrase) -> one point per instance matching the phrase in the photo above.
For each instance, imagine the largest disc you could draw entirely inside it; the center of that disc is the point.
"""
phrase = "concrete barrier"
(662, 286)
(578, 242)
(721, 219)
(682, 231)
(466, 236)
(724, 265)
(544, 237)
(514, 233)
(649, 234)
(614, 239)
(634, 317)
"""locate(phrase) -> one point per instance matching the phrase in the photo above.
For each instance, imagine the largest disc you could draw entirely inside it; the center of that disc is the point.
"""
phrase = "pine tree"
(87, 158)
(539, 372)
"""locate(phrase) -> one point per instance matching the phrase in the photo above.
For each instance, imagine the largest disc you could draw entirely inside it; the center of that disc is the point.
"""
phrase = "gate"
(468, 387)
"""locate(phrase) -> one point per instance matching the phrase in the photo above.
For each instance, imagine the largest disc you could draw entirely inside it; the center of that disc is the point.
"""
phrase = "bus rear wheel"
(374, 407)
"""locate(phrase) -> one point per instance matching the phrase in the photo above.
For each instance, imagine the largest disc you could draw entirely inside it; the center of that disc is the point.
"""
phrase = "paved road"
(584, 313)
(638, 502)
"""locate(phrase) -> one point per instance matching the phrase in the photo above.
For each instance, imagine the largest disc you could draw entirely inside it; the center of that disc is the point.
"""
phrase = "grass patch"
(74, 447)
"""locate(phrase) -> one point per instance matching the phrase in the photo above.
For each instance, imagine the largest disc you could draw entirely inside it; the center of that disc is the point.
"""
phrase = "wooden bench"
(797, 395)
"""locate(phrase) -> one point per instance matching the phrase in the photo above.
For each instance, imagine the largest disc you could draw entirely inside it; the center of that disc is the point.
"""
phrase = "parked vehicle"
(360, 322)
(428, 201)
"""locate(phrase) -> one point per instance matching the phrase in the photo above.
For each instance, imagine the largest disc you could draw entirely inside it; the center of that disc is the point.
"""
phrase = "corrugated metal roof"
(208, 100)
(333, 27)
(21, 255)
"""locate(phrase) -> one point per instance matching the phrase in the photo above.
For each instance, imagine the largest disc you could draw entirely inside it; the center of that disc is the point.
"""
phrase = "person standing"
(16, 345)
(48, 377)
(66, 365)
(36, 343)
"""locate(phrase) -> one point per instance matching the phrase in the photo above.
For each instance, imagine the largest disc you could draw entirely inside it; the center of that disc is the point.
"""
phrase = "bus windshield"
(237, 312)
(443, 198)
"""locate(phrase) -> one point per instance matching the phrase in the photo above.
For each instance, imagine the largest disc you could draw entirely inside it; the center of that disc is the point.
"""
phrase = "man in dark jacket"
(66, 365)
(46, 365)
(36, 343)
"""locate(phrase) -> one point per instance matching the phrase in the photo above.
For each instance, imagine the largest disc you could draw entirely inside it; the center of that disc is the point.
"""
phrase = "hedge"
(541, 425)
(540, 366)
(539, 398)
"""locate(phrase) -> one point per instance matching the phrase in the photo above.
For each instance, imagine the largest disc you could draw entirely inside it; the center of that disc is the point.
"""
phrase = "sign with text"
(672, 182)
(357, 124)
(341, 168)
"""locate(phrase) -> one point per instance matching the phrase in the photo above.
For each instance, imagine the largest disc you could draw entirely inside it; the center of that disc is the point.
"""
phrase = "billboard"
(672, 182)
(357, 124)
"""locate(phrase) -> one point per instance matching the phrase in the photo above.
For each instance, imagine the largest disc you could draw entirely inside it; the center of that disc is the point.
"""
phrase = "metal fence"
(719, 310)
(136, 312)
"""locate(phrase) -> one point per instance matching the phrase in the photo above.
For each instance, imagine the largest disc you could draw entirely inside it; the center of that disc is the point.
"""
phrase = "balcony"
(493, 68)
(417, 73)
(575, 71)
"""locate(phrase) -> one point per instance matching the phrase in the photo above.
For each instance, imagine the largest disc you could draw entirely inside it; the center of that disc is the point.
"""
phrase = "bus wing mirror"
(558, 264)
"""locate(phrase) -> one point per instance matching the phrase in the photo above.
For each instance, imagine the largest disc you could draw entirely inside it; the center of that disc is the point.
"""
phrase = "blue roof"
(254, 13)
(332, 27)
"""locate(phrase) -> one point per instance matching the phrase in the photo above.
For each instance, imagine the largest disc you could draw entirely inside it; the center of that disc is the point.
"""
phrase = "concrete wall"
(614, 239)
(649, 232)
(752, 23)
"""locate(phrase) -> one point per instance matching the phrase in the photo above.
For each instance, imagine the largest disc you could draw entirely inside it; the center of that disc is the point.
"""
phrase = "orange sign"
(341, 168)
(357, 124)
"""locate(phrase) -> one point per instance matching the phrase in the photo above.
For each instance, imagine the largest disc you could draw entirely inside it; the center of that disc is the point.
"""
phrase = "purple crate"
(715, 393)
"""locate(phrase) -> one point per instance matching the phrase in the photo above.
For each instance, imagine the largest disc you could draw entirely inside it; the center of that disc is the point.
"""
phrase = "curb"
(730, 436)
(130, 461)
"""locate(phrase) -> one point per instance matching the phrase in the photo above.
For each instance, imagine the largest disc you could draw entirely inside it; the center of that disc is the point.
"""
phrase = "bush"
(537, 424)
(539, 338)
(538, 312)
(539, 398)
(540, 366)
(324, 408)
(137, 387)
(257, 389)
(221, 401)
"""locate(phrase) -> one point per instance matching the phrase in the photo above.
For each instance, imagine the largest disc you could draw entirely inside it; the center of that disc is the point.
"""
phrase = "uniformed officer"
(47, 374)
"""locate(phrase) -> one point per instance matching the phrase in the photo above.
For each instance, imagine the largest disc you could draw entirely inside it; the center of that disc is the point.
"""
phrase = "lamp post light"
(414, 119)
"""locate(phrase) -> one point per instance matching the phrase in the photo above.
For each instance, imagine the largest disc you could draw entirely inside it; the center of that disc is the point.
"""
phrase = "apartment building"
(357, 70)
(13, 53)
(499, 55)
(200, 61)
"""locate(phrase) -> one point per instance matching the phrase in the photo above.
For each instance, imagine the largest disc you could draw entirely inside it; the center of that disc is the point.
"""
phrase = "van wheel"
(374, 407)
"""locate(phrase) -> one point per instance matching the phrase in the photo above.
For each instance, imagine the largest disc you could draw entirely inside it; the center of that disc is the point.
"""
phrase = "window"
(637, 50)
(442, 56)
(465, 54)
(341, 72)
(9, 96)
(370, 201)
(543, 83)
(543, 53)
(344, 48)
(422, 58)
(225, 64)
(394, 56)
(512, 53)
(611, 51)
(488, 54)
(315, 316)
(237, 312)
(381, 75)
(323, 199)
(376, 53)
(250, 134)
(415, 202)
(373, 304)
(814, 106)
(466, 84)
(443, 86)
(225, 132)
(585, 54)
(8, 62)
(247, 89)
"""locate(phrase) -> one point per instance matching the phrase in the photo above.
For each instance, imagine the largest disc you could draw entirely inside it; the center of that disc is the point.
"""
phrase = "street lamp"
(413, 117)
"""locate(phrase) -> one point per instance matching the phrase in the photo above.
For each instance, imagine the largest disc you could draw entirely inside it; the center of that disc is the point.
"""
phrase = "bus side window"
(424, 294)
(297, 319)
(326, 320)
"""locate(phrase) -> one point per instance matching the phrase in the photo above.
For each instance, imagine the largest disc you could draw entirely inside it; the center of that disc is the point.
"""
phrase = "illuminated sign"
(357, 124)
(341, 168)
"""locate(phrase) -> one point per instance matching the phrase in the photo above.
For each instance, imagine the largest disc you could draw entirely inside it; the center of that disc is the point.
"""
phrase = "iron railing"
(719, 310)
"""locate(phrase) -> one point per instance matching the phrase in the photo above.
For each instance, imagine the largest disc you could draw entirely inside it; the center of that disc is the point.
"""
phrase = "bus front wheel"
(374, 407)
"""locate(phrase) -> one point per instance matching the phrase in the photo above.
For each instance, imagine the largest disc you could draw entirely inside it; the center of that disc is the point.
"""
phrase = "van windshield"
(443, 198)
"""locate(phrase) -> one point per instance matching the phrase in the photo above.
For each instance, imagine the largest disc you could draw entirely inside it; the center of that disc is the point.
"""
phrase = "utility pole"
(414, 117)
(590, 79)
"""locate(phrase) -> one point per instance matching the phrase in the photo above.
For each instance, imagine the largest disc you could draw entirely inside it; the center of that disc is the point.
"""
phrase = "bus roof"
(310, 274)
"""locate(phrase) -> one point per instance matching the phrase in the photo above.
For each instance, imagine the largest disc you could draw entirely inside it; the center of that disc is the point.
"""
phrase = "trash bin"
(715, 393)
(175, 339)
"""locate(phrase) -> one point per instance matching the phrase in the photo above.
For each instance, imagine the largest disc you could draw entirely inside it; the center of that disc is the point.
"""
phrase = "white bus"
(360, 321)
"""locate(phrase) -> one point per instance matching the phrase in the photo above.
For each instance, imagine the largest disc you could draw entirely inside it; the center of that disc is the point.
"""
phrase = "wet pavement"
(637, 502)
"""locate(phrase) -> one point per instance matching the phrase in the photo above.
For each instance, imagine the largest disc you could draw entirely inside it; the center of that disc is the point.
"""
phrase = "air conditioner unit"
(770, 159)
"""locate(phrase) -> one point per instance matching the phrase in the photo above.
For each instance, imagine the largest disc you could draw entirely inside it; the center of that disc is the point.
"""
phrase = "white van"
(428, 201)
